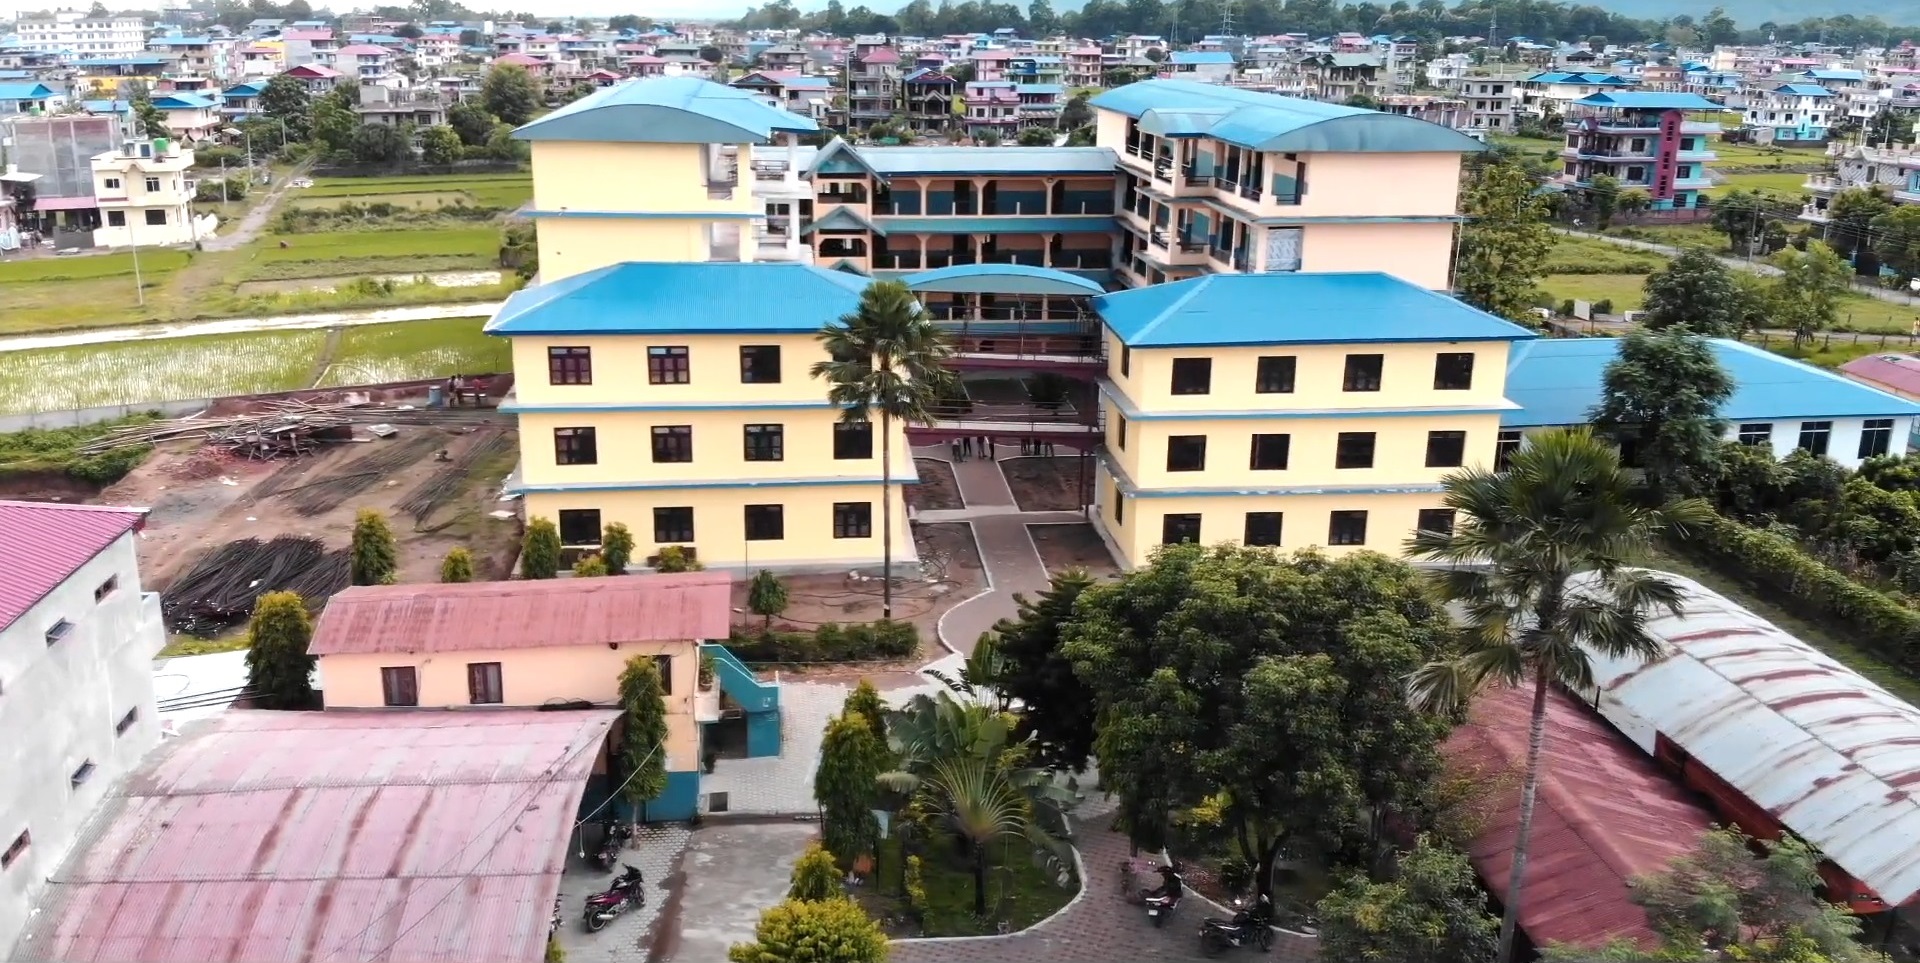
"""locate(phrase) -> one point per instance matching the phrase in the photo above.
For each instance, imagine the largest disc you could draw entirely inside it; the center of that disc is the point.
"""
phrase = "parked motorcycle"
(613, 836)
(626, 892)
(1248, 927)
(1161, 902)
(553, 927)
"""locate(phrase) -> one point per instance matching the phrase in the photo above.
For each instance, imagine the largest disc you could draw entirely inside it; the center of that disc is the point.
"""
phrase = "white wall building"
(145, 196)
(77, 641)
(72, 30)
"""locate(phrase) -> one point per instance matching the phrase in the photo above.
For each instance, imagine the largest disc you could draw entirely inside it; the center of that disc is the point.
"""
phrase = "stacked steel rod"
(446, 484)
(220, 590)
(326, 494)
(286, 427)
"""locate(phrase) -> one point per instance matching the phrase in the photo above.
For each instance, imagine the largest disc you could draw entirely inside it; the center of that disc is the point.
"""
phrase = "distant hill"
(1752, 13)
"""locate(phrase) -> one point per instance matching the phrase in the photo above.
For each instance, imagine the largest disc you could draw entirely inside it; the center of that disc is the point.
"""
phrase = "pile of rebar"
(220, 590)
(447, 483)
(323, 495)
(283, 427)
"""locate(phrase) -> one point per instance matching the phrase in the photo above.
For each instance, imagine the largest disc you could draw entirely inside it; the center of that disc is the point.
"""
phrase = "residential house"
(873, 85)
(422, 107)
(368, 64)
(64, 207)
(540, 69)
(77, 639)
(76, 33)
(144, 193)
(1548, 94)
(928, 97)
(1644, 141)
(192, 118)
(312, 46)
(1085, 67)
(261, 60)
(1212, 67)
(241, 101)
(991, 107)
(1790, 114)
(317, 79)
(195, 56)
(784, 56)
(1040, 104)
(1489, 102)
(1893, 171)
(437, 50)
(30, 98)
(1340, 77)
(1445, 111)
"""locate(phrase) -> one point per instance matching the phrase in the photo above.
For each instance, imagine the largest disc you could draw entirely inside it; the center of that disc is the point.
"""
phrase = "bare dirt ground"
(1041, 484)
(200, 503)
(937, 490)
(1077, 545)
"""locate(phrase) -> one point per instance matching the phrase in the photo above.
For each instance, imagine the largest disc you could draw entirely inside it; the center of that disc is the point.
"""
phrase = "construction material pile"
(323, 495)
(285, 427)
(220, 590)
(446, 484)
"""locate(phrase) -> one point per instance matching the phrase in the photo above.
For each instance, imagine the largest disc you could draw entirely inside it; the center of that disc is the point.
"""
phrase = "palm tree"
(1539, 563)
(886, 358)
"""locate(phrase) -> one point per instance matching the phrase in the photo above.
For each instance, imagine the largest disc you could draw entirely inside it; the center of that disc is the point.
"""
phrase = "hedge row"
(1809, 588)
(831, 642)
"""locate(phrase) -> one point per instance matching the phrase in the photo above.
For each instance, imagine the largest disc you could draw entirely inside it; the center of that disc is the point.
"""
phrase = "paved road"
(284, 322)
(255, 220)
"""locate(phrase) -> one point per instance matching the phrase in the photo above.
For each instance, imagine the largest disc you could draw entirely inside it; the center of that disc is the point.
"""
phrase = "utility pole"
(1226, 18)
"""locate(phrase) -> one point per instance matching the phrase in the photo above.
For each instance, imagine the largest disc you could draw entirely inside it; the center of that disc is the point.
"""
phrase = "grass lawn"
(43, 449)
(1573, 254)
(1785, 184)
(348, 254)
(1019, 891)
(1677, 235)
(1532, 145)
(138, 372)
(1828, 353)
(1748, 154)
(154, 263)
(1624, 290)
(1830, 640)
(407, 350)
(232, 640)
(486, 190)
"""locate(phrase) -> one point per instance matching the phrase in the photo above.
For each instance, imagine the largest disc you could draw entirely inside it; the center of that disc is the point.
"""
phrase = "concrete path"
(284, 322)
(627, 939)
(729, 874)
(255, 220)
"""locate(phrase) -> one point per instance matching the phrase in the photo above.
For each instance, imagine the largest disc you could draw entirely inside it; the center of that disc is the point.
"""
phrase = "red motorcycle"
(626, 892)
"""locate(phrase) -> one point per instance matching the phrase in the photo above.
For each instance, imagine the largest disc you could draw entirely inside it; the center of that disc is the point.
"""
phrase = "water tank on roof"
(160, 146)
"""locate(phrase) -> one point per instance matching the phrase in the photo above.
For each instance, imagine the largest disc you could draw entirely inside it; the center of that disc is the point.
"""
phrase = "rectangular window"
(1757, 433)
(672, 525)
(760, 364)
(1187, 453)
(1347, 528)
(1814, 436)
(852, 519)
(106, 588)
(570, 366)
(1263, 528)
(81, 775)
(400, 685)
(1876, 437)
(1274, 376)
(580, 526)
(852, 440)
(667, 366)
(153, 184)
(1446, 449)
(1354, 450)
(113, 183)
(1175, 529)
(126, 722)
(1503, 449)
(1363, 372)
(1453, 371)
(483, 684)
(673, 443)
(1192, 376)
(1270, 452)
(1436, 520)
(116, 218)
(16, 849)
(1119, 505)
(1126, 361)
(766, 523)
(766, 442)
(575, 446)
(665, 664)
(156, 217)
(58, 630)
(1119, 431)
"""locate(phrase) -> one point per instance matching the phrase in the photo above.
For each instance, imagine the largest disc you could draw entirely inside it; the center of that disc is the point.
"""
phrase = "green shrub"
(674, 558)
(591, 566)
(1809, 588)
(916, 887)
(1603, 306)
(540, 549)
(860, 642)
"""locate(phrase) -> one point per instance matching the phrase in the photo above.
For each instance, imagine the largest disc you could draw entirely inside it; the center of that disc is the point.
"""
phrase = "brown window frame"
(570, 365)
(669, 365)
(400, 686)
(483, 680)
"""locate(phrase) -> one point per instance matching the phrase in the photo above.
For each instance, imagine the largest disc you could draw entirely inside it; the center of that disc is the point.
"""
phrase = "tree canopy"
(1662, 396)
(1695, 290)
(1505, 243)
(1433, 909)
(510, 93)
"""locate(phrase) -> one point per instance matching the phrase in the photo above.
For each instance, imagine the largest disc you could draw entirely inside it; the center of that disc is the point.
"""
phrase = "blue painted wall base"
(763, 734)
(680, 800)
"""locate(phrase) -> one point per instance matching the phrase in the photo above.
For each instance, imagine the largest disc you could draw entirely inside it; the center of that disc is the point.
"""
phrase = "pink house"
(992, 106)
(316, 78)
(534, 65)
(990, 65)
(646, 65)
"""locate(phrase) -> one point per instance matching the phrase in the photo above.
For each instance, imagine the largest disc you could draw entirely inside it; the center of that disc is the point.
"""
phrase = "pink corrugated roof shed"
(518, 60)
(362, 50)
(1898, 372)
(880, 55)
(1605, 815)
(307, 35)
(42, 544)
(538, 613)
(335, 837)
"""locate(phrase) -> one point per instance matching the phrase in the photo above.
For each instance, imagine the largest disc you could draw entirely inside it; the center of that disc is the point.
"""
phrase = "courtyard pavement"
(731, 871)
(628, 939)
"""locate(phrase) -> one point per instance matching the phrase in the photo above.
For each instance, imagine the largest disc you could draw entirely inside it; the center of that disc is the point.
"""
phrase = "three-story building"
(1644, 141)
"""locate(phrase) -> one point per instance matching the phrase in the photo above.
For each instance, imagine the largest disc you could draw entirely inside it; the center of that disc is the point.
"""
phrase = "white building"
(1894, 170)
(145, 196)
(77, 641)
(73, 31)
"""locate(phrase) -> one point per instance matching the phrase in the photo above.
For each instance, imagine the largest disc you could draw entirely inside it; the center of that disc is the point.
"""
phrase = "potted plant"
(706, 672)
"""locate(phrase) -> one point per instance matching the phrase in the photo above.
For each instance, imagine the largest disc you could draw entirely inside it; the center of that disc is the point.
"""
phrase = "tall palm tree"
(1538, 562)
(886, 358)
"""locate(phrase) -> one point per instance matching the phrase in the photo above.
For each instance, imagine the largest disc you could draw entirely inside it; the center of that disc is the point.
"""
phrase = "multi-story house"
(434, 51)
(1205, 66)
(191, 56)
(1894, 171)
(784, 56)
(1644, 141)
(991, 107)
(30, 98)
(1339, 77)
(77, 641)
(421, 107)
(873, 85)
(1137, 44)
(315, 46)
(1853, 96)
(1234, 411)
(76, 33)
(261, 60)
(1489, 102)
(927, 98)
(885, 209)
(365, 62)
(193, 118)
(1448, 71)
(316, 78)
(1790, 114)
(1049, 69)
(990, 64)
(1216, 179)
(1551, 92)
(1040, 104)
(241, 100)
(1445, 111)
(1085, 67)
(145, 195)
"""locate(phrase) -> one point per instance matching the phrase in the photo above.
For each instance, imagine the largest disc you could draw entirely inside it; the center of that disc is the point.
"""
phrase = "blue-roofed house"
(675, 399)
(1559, 88)
(191, 117)
(1777, 402)
(927, 96)
(1644, 141)
(1215, 178)
(1796, 113)
(29, 97)
(241, 101)
(1235, 410)
(1205, 66)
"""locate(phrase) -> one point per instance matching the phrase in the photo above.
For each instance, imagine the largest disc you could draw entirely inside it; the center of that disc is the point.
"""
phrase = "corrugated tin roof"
(699, 298)
(1831, 755)
(42, 544)
(1557, 381)
(1605, 815)
(1229, 309)
(1648, 100)
(276, 837)
(1901, 372)
(667, 110)
(1270, 122)
(541, 613)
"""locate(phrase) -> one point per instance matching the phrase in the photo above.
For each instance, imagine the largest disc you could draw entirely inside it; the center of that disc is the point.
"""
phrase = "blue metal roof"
(137, 60)
(182, 102)
(1557, 381)
(1250, 309)
(25, 91)
(1819, 73)
(1591, 79)
(1201, 57)
(1001, 279)
(1803, 90)
(905, 161)
(180, 41)
(106, 106)
(1039, 89)
(1647, 100)
(667, 110)
(1270, 122)
(697, 298)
